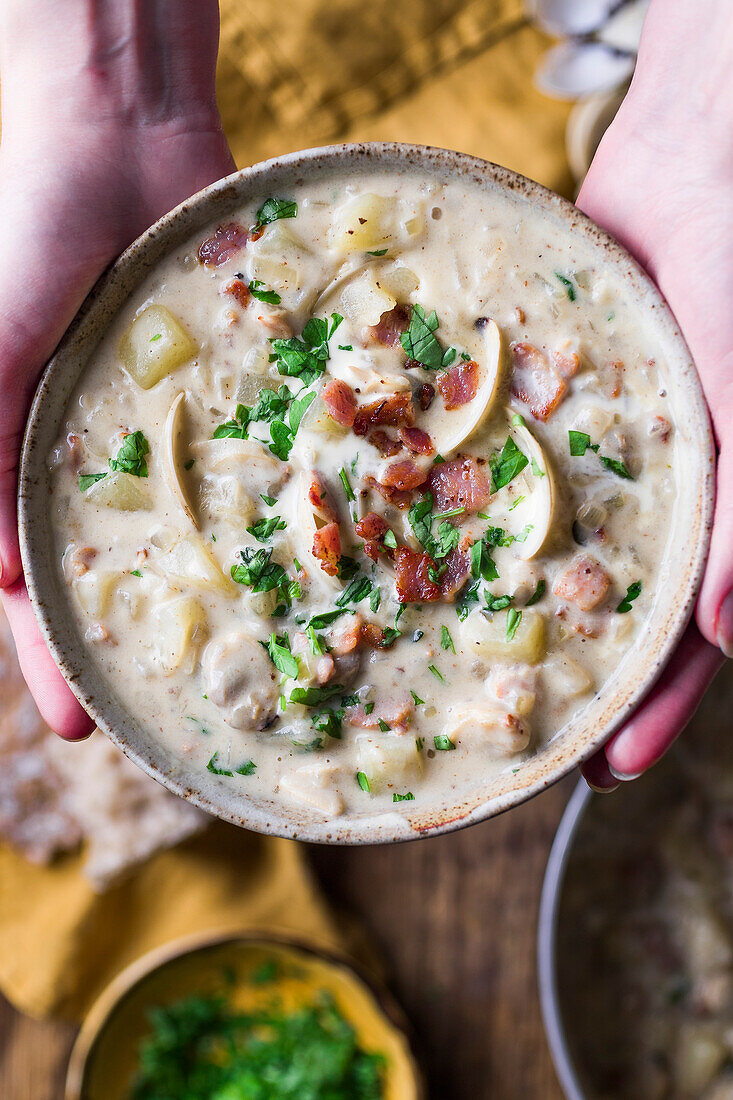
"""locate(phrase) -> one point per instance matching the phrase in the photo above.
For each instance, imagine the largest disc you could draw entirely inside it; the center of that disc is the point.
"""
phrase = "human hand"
(661, 183)
(109, 120)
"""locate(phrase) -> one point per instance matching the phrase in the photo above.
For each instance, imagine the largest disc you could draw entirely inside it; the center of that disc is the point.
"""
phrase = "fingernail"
(623, 777)
(725, 625)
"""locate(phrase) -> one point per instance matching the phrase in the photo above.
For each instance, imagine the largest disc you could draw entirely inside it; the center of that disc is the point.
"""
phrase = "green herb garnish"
(443, 743)
(513, 619)
(409, 797)
(273, 210)
(567, 283)
(363, 782)
(263, 529)
(445, 639)
(270, 297)
(538, 592)
(632, 593)
(505, 466)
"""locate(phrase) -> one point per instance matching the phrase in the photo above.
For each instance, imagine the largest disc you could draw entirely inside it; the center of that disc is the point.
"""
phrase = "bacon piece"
(459, 483)
(398, 497)
(584, 583)
(566, 363)
(239, 290)
(393, 411)
(390, 325)
(458, 566)
(225, 242)
(459, 384)
(340, 400)
(417, 441)
(404, 475)
(319, 498)
(372, 528)
(425, 395)
(535, 381)
(327, 548)
(412, 578)
(384, 443)
(396, 712)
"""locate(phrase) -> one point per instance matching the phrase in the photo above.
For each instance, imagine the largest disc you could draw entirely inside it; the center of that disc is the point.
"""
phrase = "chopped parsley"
(329, 722)
(443, 743)
(248, 768)
(513, 619)
(632, 593)
(214, 768)
(446, 641)
(416, 698)
(384, 726)
(269, 501)
(273, 210)
(538, 592)
(278, 647)
(270, 297)
(130, 460)
(263, 529)
(377, 252)
(390, 539)
(505, 466)
(568, 284)
(421, 343)
(344, 479)
(259, 573)
(469, 595)
(368, 708)
(375, 599)
(363, 782)
(436, 673)
(497, 603)
(317, 643)
(135, 573)
(320, 622)
(409, 797)
(314, 696)
(357, 590)
(420, 518)
(579, 443)
(305, 359)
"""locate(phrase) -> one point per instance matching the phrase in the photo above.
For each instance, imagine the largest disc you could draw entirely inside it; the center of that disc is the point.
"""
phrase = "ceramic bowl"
(691, 520)
(106, 1050)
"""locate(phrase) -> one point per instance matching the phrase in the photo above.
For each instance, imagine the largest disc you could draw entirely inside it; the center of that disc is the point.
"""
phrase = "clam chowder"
(366, 492)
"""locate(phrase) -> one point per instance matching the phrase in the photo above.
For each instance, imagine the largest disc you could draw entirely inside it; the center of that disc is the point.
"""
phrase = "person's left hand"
(109, 120)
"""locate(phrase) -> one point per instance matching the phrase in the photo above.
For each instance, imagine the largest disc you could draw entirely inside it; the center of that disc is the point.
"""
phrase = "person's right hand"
(662, 184)
(109, 120)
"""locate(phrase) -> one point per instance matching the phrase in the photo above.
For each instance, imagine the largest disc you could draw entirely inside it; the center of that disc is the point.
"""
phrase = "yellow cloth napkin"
(455, 73)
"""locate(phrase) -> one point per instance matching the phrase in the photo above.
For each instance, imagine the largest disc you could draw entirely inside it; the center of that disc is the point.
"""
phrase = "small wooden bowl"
(105, 1053)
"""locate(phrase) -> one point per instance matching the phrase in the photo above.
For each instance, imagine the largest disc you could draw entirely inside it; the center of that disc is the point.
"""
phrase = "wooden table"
(455, 918)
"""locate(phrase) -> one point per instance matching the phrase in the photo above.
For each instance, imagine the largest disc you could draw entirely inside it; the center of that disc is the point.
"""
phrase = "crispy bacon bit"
(359, 634)
(372, 528)
(584, 583)
(390, 325)
(417, 441)
(520, 315)
(327, 548)
(414, 584)
(239, 290)
(458, 565)
(225, 242)
(340, 400)
(387, 446)
(404, 475)
(319, 498)
(566, 363)
(459, 483)
(535, 381)
(393, 411)
(459, 383)
(396, 713)
(425, 395)
(398, 497)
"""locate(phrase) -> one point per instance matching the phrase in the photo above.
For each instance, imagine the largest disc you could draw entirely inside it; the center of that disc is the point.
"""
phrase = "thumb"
(715, 606)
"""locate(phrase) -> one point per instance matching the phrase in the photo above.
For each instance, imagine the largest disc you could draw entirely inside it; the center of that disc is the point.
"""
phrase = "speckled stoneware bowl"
(604, 714)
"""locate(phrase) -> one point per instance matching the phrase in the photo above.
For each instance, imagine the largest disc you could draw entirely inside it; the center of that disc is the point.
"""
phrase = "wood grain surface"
(455, 921)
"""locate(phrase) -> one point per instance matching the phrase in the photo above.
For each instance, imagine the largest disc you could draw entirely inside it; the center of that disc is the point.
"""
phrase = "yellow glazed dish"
(106, 1052)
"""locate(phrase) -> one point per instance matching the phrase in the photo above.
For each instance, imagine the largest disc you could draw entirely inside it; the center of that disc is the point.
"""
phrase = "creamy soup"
(366, 492)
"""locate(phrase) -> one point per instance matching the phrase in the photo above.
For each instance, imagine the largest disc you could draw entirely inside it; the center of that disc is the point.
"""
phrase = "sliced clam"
(449, 428)
(173, 465)
(524, 508)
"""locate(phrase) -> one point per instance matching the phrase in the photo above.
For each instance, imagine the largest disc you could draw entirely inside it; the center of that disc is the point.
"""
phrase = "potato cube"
(486, 636)
(190, 560)
(366, 223)
(124, 492)
(390, 759)
(154, 345)
(94, 589)
(363, 302)
(318, 419)
(181, 627)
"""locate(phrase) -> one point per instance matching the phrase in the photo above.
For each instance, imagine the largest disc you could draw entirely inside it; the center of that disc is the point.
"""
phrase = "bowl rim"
(136, 972)
(547, 931)
(539, 771)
